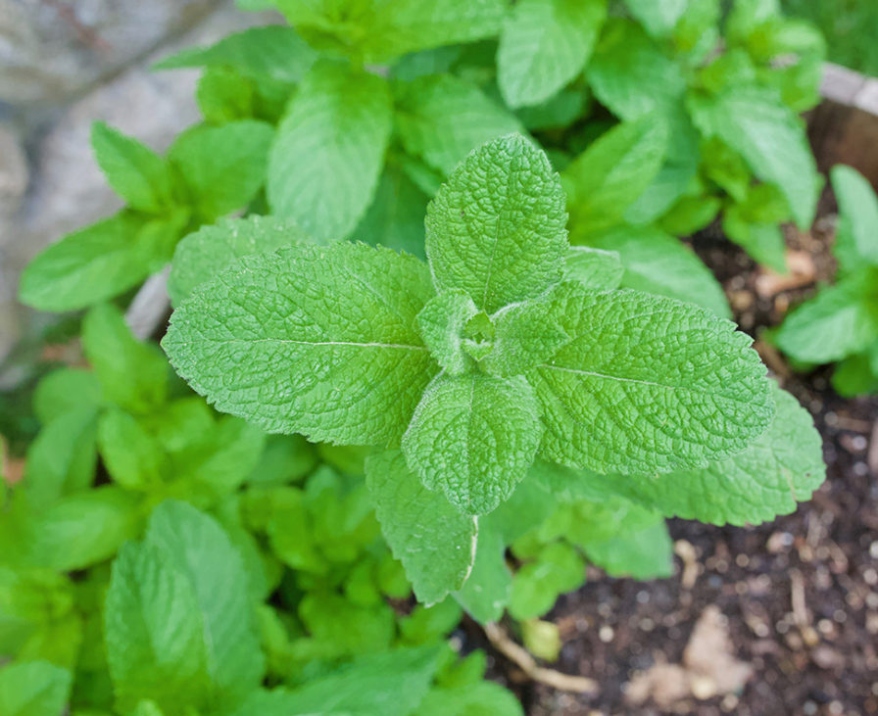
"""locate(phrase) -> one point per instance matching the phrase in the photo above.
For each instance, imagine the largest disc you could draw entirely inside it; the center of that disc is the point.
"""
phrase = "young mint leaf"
(648, 384)
(857, 374)
(482, 697)
(485, 593)
(199, 549)
(658, 17)
(202, 255)
(764, 242)
(837, 322)
(612, 173)
(131, 455)
(658, 263)
(225, 95)
(544, 45)
(390, 684)
(645, 553)
(230, 455)
(754, 122)
(597, 269)
(274, 51)
(154, 634)
(100, 261)
(442, 118)
(34, 688)
(395, 218)
(321, 341)
(327, 158)
(442, 322)
(537, 585)
(65, 390)
(223, 167)
(473, 437)
(782, 467)
(133, 375)
(136, 173)
(497, 228)
(856, 239)
(435, 543)
(62, 458)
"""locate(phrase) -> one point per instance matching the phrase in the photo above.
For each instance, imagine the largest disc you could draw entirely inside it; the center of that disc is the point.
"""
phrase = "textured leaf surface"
(199, 549)
(442, 322)
(781, 468)
(839, 321)
(658, 263)
(597, 269)
(99, 261)
(136, 173)
(202, 255)
(612, 173)
(442, 118)
(648, 385)
(132, 374)
(473, 437)
(857, 236)
(274, 51)
(771, 138)
(154, 634)
(34, 688)
(544, 45)
(435, 543)
(320, 341)
(497, 228)
(485, 593)
(327, 158)
(224, 167)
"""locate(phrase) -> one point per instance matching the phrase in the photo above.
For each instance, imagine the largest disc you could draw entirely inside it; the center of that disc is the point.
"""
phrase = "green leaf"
(273, 51)
(390, 684)
(631, 75)
(131, 455)
(223, 167)
(395, 218)
(753, 121)
(856, 238)
(442, 118)
(100, 261)
(612, 173)
(224, 95)
(349, 372)
(857, 374)
(63, 391)
(594, 268)
(286, 458)
(839, 321)
(536, 586)
(659, 17)
(485, 593)
(435, 543)
(782, 467)
(497, 228)
(327, 158)
(133, 375)
(690, 214)
(764, 242)
(136, 173)
(199, 549)
(544, 45)
(34, 688)
(154, 634)
(62, 458)
(442, 322)
(484, 698)
(646, 553)
(648, 384)
(202, 255)
(660, 264)
(473, 437)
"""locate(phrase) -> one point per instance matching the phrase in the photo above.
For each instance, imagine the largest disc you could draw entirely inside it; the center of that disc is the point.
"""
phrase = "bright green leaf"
(65, 390)
(496, 229)
(485, 593)
(441, 323)
(659, 17)
(34, 688)
(536, 586)
(646, 553)
(597, 269)
(857, 235)
(484, 698)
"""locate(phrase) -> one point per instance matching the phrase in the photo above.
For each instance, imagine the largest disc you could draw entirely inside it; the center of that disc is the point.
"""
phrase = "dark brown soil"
(800, 595)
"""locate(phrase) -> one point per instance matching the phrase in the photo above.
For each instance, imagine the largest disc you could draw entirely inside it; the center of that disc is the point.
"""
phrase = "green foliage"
(841, 322)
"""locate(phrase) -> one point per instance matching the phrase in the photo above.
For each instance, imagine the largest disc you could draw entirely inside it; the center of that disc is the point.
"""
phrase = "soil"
(798, 597)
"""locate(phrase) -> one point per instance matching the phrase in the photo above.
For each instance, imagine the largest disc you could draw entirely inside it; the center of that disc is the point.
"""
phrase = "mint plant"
(840, 324)
(470, 367)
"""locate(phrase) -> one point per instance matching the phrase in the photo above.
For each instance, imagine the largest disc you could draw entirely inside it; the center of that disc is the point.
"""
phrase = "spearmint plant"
(840, 324)
(466, 372)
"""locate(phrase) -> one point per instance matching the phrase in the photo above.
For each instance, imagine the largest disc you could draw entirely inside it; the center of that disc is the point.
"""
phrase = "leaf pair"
(328, 342)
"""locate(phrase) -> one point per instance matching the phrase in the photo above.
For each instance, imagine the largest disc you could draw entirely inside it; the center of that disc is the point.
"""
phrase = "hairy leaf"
(442, 322)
